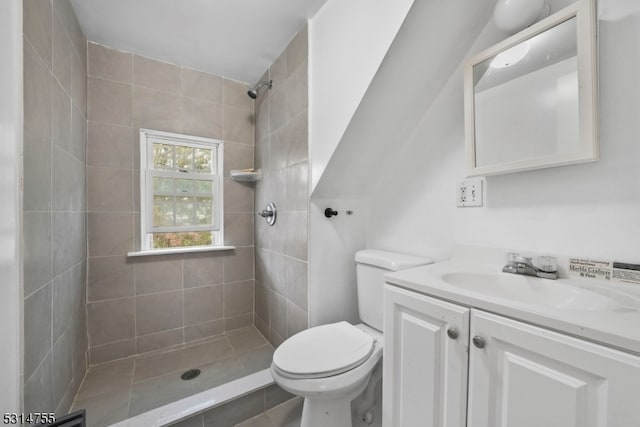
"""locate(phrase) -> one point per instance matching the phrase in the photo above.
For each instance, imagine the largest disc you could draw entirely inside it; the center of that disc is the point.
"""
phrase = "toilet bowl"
(329, 366)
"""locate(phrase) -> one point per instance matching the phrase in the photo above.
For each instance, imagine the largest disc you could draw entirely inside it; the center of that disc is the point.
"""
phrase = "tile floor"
(118, 390)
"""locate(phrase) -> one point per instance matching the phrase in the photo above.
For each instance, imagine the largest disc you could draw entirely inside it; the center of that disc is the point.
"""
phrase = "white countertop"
(615, 328)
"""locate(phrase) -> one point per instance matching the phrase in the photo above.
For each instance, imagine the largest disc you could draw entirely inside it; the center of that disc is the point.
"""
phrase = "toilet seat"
(323, 351)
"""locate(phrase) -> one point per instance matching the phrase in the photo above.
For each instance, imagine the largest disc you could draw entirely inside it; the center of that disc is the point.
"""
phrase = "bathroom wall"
(282, 155)
(143, 304)
(588, 210)
(346, 49)
(55, 82)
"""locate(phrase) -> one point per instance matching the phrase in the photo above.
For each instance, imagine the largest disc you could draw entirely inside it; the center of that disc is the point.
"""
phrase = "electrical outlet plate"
(469, 193)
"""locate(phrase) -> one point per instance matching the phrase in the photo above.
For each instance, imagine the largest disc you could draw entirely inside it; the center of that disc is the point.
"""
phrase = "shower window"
(180, 189)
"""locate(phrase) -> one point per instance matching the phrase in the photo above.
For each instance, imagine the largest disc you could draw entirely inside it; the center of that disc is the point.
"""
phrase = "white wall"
(588, 210)
(10, 214)
(332, 289)
(347, 42)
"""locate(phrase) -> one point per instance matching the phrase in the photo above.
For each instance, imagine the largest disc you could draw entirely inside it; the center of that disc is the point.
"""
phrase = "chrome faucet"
(517, 264)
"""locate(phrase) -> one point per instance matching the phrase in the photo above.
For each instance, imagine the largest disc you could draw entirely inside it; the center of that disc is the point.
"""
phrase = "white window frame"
(147, 173)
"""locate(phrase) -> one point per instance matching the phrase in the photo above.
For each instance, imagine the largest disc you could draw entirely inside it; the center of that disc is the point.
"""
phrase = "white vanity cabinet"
(425, 361)
(519, 375)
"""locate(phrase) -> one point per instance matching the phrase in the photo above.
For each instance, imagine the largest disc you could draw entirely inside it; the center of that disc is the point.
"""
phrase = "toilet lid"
(323, 351)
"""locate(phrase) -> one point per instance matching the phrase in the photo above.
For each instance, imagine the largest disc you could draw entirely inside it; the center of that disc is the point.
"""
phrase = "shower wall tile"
(109, 102)
(238, 298)
(196, 84)
(62, 52)
(54, 208)
(235, 95)
(157, 75)
(109, 64)
(281, 151)
(174, 299)
(110, 146)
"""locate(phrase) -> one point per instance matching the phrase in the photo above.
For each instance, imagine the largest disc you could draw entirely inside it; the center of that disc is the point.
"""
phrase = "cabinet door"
(424, 370)
(527, 376)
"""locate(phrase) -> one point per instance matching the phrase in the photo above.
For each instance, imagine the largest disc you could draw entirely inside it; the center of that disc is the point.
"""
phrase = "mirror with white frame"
(530, 101)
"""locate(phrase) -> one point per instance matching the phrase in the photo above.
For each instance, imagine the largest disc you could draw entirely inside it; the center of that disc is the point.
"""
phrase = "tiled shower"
(87, 303)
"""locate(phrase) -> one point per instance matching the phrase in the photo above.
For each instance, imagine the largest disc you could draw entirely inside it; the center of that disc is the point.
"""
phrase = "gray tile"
(297, 52)
(238, 265)
(238, 322)
(109, 189)
(148, 367)
(204, 330)
(109, 102)
(68, 300)
(201, 118)
(238, 196)
(153, 109)
(157, 274)
(105, 409)
(37, 21)
(158, 392)
(262, 297)
(238, 229)
(235, 95)
(68, 174)
(278, 115)
(297, 92)
(259, 421)
(262, 128)
(112, 351)
(238, 298)
(110, 63)
(278, 314)
(194, 421)
(109, 278)
(110, 378)
(156, 75)
(64, 9)
(297, 187)
(161, 340)
(287, 414)
(235, 411)
(296, 235)
(37, 329)
(297, 319)
(218, 373)
(202, 304)
(203, 269)
(110, 233)
(237, 156)
(159, 312)
(263, 327)
(278, 71)
(38, 267)
(78, 134)
(238, 125)
(62, 365)
(64, 404)
(37, 91)
(61, 123)
(298, 143)
(197, 84)
(110, 146)
(296, 278)
(110, 321)
(37, 172)
(38, 388)
(275, 395)
(245, 340)
(79, 82)
(62, 51)
(69, 240)
(207, 352)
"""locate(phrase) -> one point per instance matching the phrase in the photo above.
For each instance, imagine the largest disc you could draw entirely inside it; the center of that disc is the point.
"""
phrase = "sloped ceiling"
(431, 44)
(238, 39)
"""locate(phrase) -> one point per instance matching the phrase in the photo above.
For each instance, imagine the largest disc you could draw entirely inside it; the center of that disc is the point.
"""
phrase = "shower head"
(253, 92)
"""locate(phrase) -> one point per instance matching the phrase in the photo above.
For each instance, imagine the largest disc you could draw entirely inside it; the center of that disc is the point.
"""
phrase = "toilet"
(330, 365)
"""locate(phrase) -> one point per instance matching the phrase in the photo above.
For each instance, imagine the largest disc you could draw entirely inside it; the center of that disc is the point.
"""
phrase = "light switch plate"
(469, 193)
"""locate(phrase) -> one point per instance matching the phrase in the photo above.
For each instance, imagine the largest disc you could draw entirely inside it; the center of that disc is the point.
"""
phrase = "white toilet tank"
(371, 266)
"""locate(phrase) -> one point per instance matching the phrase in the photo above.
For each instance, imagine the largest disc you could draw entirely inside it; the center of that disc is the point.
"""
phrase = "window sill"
(169, 251)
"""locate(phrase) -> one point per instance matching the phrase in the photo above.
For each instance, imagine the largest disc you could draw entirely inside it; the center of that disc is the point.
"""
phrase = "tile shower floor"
(118, 390)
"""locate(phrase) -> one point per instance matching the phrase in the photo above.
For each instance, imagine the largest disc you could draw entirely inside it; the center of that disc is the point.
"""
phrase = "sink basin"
(532, 290)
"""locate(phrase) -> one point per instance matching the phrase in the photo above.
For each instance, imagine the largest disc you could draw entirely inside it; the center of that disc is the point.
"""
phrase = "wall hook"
(330, 212)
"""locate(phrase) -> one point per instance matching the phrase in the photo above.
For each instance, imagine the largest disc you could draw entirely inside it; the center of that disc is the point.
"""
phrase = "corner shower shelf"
(246, 175)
